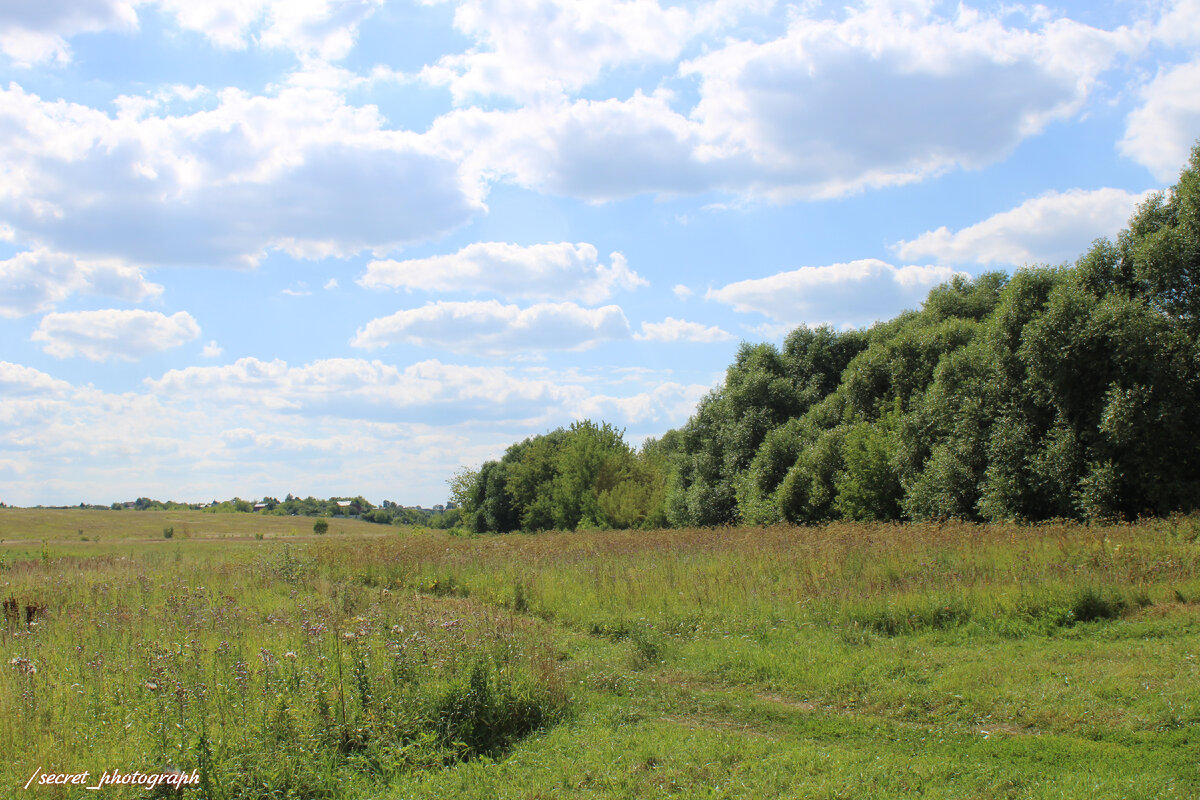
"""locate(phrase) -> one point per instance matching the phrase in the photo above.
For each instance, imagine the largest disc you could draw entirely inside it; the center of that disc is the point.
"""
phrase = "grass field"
(839, 661)
(28, 528)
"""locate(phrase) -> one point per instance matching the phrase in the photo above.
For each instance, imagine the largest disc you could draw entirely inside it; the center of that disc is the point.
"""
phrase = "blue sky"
(331, 247)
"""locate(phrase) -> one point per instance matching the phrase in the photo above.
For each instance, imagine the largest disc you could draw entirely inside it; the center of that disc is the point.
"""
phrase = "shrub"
(320, 527)
(487, 716)
(1089, 605)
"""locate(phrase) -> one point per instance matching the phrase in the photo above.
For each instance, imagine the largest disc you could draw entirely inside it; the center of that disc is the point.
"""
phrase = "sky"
(344, 247)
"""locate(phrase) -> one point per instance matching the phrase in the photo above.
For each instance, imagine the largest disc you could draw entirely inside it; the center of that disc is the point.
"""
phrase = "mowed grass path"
(839, 661)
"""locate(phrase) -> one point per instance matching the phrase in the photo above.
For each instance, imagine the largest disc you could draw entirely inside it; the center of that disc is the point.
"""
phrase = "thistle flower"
(23, 666)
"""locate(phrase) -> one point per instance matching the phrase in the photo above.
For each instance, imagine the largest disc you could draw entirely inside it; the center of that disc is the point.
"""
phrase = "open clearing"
(838, 661)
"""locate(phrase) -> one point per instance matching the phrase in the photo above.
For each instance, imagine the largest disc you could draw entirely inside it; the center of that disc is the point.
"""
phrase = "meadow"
(836, 661)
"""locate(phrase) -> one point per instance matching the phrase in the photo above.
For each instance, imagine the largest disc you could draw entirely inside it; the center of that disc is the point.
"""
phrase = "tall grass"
(889, 578)
(269, 678)
(340, 666)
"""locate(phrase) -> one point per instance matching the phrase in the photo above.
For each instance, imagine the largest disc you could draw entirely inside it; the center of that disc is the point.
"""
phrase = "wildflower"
(152, 686)
(241, 673)
(23, 666)
(290, 654)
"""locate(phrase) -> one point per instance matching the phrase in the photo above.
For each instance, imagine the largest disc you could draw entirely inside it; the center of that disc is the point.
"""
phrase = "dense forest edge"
(1068, 392)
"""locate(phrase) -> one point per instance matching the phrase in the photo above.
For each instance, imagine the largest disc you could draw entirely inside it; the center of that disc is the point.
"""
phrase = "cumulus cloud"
(595, 149)
(351, 389)
(1179, 23)
(492, 328)
(351, 386)
(893, 93)
(882, 96)
(150, 187)
(36, 280)
(1160, 133)
(856, 293)
(665, 402)
(316, 28)
(113, 333)
(332, 427)
(32, 32)
(1052, 228)
(35, 32)
(543, 271)
(682, 292)
(531, 49)
(18, 380)
(212, 349)
(678, 330)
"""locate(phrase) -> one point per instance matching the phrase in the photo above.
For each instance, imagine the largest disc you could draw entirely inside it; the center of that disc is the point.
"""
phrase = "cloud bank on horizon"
(345, 247)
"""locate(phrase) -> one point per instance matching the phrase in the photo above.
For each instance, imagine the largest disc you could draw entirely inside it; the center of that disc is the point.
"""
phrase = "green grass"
(79, 531)
(840, 661)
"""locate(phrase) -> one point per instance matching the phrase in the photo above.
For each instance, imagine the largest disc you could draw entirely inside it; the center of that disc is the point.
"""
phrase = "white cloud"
(33, 32)
(152, 188)
(855, 293)
(356, 389)
(212, 350)
(1180, 23)
(36, 280)
(880, 97)
(314, 28)
(682, 292)
(37, 30)
(541, 272)
(113, 333)
(893, 93)
(334, 427)
(1052, 228)
(1160, 134)
(330, 284)
(350, 386)
(678, 330)
(492, 328)
(667, 402)
(531, 49)
(17, 380)
(598, 150)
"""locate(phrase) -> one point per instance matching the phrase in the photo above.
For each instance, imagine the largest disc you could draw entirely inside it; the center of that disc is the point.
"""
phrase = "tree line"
(1053, 392)
(386, 513)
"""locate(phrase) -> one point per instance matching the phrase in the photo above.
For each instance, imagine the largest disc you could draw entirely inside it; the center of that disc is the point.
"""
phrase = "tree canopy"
(1067, 391)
